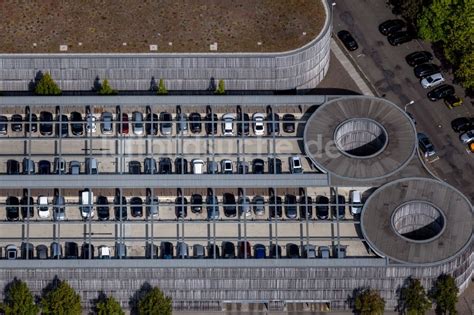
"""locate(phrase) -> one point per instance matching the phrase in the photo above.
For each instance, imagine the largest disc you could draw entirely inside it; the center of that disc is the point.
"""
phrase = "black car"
(462, 124)
(213, 251)
(166, 250)
(289, 123)
(399, 38)
(242, 167)
(425, 70)
(338, 210)
(151, 125)
(243, 123)
(134, 167)
(273, 120)
(27, 207)
(275, 251)
(230, 207)
(165, 166)
(440, 92)
(322, 207)
(292, 251)
(258, 166)
(16, 122)
(13, 167)
(136, 206)
(347, 39)
(211, 124)
(228, 250)
(274, 206)
(46, 123)
(103, 208)
(391, 26)
(120, 207)
(306, 207)
(33, 124)
(274, 166)
(212, 207)
(181, 207)
(27, 250)
(418, 57)
(12, 208)
(3, 125)
(42, 252)
(196, 203)
(181, 166)
(195, 122)
(151, 251)
(87, 251)
(290, 206)
(44, 167)
(71, 250)
(77, 124)
(62, 128)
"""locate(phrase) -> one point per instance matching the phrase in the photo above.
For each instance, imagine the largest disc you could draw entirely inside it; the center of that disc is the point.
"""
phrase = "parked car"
(137, 123)
(166, 250)
(87, 251)
(166, 166)
(226, 166)
(324, 252)
(151, 125)
(198, 251)
(289, 123)
(306, 207)
(462, 124)
(46, 125)
(181, 165)
(259, 251)
(74, 167)
(230, 205)
(33, 123)
(103, 210)
(391, 26)
(86, 201)
(3, 125)
(16, 123)
(62, 126)
(418, 57)
(92, 166)
(432, 80)
(258, 166)
(152, 207)
(11, 252)
(56, 250)
(120, 207)
(181, 207)
(243, 167)
(77, 124)
(151, 250)
(425, 69)
(91, 126)
(149, 165)
(12, 208)
(59, 165)
(44, 167)
(104, 252)
(213, 250)
(274, 166)
(107, 124)
(274, 206)
(27, 207)
(322, 207)
(228, 124)
(43, 207)
(212, 167)
(338, 207)
(452, 100)
(347, 39)
(228, 250)
(290, 206)
(195, 122)
(211, 124)
(295, 165)
(212, 207)
(13, 167)
(258, 205)
(122, 124)
(182, 251)
(136, 206)
(292, 251)
(244, 249)
(59, 208)
(399, 38)
(440, 92)
(425, 145)
(243, 205)
(134, 167)
(355, 197)
(467, 137)
(42, 252)
(258, 125)
(308, 251)
(28, 166)
(71, 250)
(198, 166)
(182, 123)
(243, 124)
(196, 203)
(273, 123)
(275, 251)
(166, 125)
(120, 250)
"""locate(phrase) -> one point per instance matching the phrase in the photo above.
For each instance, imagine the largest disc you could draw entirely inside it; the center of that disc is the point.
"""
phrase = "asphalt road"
(387, 71)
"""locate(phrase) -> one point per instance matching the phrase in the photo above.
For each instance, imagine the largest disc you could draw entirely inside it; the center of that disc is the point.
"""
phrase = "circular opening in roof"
(418, 221)
(360, 137)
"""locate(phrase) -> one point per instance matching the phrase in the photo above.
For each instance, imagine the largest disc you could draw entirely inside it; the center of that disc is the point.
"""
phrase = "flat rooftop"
(124, 26)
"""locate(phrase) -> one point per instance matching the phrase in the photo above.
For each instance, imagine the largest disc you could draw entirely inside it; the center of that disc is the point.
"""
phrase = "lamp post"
(408, 104)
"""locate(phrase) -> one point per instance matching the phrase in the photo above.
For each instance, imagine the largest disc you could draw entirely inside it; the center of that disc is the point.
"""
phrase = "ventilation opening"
(360, 138)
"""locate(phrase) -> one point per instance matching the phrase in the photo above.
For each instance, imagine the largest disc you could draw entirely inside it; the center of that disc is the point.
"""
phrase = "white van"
(356, 202)
(198, 166)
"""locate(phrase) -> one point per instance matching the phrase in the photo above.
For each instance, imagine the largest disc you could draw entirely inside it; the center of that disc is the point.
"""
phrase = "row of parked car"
(231, 205)
(231, 124)
(164, 166)
(166, 250)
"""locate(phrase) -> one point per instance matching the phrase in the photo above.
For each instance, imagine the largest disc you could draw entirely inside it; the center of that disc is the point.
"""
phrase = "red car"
(123, 125)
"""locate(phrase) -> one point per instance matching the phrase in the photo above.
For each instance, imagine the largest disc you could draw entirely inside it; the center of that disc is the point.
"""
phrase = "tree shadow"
(96, 86)
(48, 288)
(100, 298)
(153, 85)
(33, 82)
(137, 296)
(351, 298)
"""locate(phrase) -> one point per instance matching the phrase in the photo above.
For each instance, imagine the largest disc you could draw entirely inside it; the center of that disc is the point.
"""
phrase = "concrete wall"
(301, 68)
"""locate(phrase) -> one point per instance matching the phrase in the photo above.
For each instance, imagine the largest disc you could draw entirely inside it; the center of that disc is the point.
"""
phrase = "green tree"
(109, 306)
(162, 88)
(155, 302)
(47, 86)
(411, 8)
(106, 89)
(18, 300)
(220, 88)
(369, 302)
(413, 298)
(465, 72)
(445, 294)
(61, 299)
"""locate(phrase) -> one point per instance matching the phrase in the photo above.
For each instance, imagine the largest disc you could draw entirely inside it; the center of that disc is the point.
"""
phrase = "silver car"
(106, 125)
(137, 123)
(59, 212)
(182, 250)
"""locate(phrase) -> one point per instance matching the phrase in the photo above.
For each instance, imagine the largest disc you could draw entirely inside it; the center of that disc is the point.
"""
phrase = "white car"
(295, 165)
(228, 124)
(104, 252)
(356, 202)
(467, 137)
(87, 201)
(90, 123)
(198, 166)
(432, 80)
(226, 166)
(43, 207)
(258, 125)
